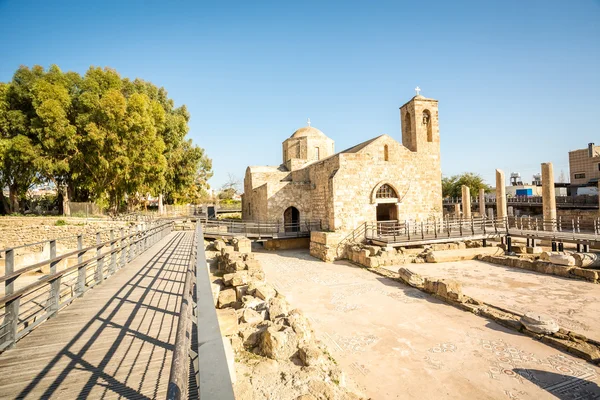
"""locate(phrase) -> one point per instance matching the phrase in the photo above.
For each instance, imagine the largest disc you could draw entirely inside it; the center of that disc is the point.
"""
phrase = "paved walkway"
(115, 342)
(574, 304)
(396, 342)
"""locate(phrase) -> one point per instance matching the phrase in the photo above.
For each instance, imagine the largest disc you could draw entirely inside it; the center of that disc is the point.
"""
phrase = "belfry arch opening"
(427, 124)
(291, 219)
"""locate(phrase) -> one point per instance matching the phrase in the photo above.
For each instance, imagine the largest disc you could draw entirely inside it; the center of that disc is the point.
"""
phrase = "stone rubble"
(276, 353)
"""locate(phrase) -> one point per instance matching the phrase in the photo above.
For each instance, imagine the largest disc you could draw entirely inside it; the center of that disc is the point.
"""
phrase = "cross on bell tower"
(418, 90)
(308, 121)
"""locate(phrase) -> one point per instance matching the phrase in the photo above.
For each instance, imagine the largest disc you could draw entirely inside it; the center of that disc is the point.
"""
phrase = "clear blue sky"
(518, 81)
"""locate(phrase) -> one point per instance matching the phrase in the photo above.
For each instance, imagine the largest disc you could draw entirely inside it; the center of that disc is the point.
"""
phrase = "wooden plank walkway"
(115, 342)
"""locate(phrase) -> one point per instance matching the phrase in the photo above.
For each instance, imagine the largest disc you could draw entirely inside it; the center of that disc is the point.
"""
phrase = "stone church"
(380, 179)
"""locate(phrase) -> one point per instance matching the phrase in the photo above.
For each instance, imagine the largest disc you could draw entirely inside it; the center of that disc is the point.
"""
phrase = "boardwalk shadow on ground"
(564, 387)
(139, 322)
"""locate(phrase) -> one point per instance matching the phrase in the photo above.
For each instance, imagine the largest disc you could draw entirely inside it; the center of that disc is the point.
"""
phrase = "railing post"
(80, 288)
(11, 317)
(53, 300)
(99, 261)
(113, 254)
(123, 248)
(129, 246)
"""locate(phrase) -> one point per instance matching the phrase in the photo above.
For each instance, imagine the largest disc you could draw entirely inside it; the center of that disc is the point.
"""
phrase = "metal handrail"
(17, 320)
(180, 366)
(213, 379)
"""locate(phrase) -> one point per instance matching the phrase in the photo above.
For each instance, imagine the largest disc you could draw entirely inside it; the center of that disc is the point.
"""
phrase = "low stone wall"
(325, 246)
(273, 345)
(375, 256)
(544, 267)
(538, 327)
(18, 231)
(286, 244)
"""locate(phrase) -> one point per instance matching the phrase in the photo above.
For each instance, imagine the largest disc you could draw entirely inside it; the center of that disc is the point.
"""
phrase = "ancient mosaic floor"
(396, 342)
(574, 304)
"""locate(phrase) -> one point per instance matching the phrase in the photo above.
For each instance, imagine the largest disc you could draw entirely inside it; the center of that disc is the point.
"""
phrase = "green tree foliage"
(96, 137)
(452, 186)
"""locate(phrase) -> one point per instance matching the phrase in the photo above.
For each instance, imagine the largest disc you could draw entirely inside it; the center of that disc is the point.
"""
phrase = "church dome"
(308, 131)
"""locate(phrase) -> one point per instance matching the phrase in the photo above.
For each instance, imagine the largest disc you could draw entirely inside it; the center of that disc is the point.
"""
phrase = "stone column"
(501, 211)
(466, 201)
(456, 210)
(548, 197)
(482, 202)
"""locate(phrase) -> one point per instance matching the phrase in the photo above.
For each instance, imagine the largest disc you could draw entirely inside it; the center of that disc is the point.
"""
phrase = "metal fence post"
(113, 254)
(54, 298)
(99, 260)
(123, 247)
(80, 288)
(11, 317)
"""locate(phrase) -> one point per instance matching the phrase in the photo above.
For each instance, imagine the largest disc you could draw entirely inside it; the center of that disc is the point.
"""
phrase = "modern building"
(584, 165)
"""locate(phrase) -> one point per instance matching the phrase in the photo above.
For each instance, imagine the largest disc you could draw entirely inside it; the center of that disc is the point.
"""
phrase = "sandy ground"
(396, 342)
(574, 304)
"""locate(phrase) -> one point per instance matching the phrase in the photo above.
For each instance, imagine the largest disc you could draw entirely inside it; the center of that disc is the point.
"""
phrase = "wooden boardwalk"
(115, 342)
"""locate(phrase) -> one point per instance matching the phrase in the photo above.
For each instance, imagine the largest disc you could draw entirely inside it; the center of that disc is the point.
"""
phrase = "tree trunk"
(66, 205)
(5, 205)
(13, 199)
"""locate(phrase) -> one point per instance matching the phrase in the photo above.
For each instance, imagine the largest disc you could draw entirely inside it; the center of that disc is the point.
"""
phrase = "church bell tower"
(419, 121)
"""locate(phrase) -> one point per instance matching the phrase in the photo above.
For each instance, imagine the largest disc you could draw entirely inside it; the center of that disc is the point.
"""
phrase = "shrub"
(60, 222)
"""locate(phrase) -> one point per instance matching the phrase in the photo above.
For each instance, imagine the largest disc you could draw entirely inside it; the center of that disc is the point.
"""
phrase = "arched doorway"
(386, 198)
(291, 219)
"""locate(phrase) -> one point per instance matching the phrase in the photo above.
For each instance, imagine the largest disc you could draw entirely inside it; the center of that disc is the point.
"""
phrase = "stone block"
(250, 316)
(279, 343)
(411, 278)
(446, 288)
(227, 298)
(562, 259)
(239, 278)
(539, 323)
(228, 278)
(312, 356)
(265, 291)
(460, 255)
(588, 274)
(228, 321)
(240, 292)
(278, 308)
(534, 250)
(561, 270)
(301, 326)
(253, 303)
(373, 250)
(372, 262)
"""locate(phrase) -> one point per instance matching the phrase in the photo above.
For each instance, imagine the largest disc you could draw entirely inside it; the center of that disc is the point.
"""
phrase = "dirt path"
(399, 343)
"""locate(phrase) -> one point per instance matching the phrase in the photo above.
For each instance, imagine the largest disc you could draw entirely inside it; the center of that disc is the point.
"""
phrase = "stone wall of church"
(321, 176)
(254, 204)
(289, 194)
(413, 175)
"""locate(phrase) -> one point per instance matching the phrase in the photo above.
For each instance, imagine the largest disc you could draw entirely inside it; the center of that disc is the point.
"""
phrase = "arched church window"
(317, 155)
(385, 191)
(297, 150)
(427, 124)
(386, 155)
